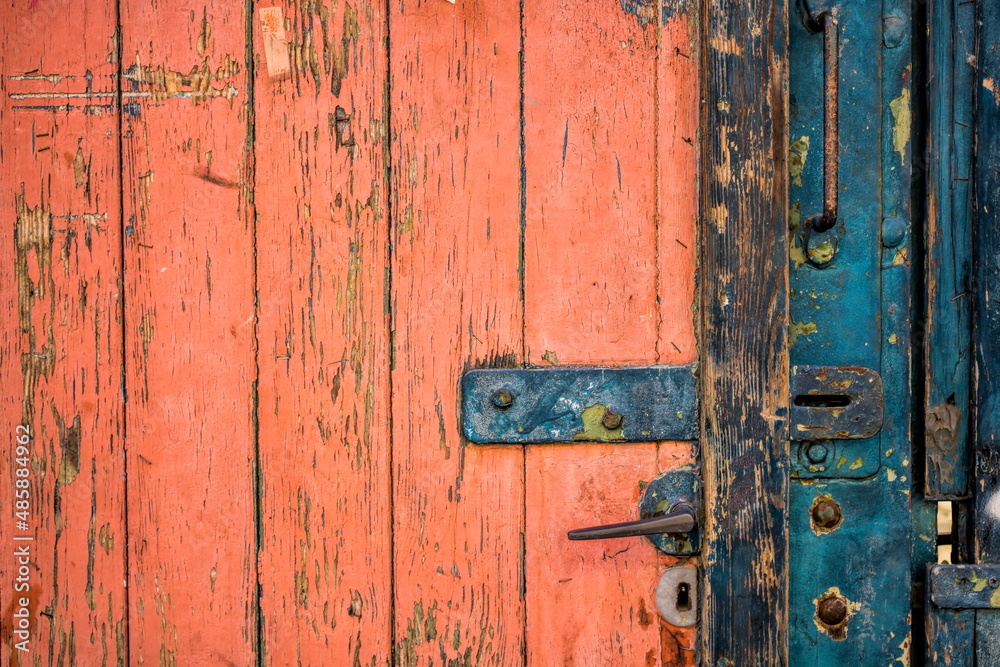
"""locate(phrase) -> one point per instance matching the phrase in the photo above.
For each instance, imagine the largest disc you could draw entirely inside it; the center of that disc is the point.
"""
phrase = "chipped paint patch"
(821, 254)
(594, 428)
(989, 83)
(643, 10)
(796, 329)
(901, 120)
(795, 251)
(900, 257)
(904, 656)
(797, 155)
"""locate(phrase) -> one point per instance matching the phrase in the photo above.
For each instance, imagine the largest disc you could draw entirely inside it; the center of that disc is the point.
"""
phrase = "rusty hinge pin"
(831, 121)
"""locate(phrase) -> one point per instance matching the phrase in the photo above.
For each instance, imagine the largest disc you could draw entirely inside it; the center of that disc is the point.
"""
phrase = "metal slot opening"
(683, 597)
(822, 400)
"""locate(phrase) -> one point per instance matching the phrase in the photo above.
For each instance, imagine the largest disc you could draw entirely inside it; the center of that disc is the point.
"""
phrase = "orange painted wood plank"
(189, 333)
(609, 279)
(455, 212)
(677, 179)
(321, 199)
(62, 493)
(677, 155)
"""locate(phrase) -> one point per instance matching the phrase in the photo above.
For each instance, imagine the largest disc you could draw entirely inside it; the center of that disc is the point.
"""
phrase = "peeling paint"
(594, 428)
(797, 159)
(199, 83)
(901, 116)
(796, 329)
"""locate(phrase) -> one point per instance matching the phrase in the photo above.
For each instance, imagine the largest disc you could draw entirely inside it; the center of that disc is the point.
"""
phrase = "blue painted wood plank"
(953, 633)
(987, 290)
(858, 311)
(743, 347)
(951, 79)
(986, 333)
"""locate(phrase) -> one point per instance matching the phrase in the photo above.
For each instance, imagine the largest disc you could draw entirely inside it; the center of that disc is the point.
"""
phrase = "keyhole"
(683, 597)
(822, 400)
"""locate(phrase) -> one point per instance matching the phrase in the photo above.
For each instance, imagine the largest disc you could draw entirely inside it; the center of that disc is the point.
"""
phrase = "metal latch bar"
(969, 586)
(650, 403)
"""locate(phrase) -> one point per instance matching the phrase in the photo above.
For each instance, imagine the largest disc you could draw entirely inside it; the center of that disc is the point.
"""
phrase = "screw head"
(893, 232)
(832, 610)
(612, 420)
(503, 399)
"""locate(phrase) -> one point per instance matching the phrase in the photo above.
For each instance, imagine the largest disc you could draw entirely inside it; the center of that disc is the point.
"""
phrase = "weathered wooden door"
(254, 248)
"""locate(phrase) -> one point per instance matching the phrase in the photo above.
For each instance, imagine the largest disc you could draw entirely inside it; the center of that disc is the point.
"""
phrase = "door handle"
(680, 519)
(824, 19)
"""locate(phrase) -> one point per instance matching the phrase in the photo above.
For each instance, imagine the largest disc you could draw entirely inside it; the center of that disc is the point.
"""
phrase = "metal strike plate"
(965, 586)
(549, 405)
(835, 403)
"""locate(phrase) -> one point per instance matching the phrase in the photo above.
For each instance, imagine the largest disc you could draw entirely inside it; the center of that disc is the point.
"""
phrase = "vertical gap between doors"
(251, 176)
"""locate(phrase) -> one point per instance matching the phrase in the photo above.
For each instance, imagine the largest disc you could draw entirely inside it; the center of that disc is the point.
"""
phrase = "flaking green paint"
(593, 429)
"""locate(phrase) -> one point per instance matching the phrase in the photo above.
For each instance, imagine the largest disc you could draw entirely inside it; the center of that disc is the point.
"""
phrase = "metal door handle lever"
(680, 520)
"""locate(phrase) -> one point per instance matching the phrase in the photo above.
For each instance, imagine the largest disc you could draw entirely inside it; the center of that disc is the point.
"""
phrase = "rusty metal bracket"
(835, 403)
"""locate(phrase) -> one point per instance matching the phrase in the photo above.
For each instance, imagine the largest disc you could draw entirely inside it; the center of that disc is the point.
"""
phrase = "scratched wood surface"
(322, 252)
(458, 510)
(604, 213)
(264, 262)
(60, 341)
(189, 333)
(949, 248)
(744, 334)
(986, 336)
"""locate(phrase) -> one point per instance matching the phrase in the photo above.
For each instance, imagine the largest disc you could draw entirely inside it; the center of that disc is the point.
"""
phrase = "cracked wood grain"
(458, 509)
(322, 256)
(744, 333)
(60, 341)
(189, 334)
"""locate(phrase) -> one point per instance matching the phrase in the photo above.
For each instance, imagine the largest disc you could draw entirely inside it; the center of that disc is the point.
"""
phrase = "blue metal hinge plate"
(965, 586)
(549, 405)
(648, 404)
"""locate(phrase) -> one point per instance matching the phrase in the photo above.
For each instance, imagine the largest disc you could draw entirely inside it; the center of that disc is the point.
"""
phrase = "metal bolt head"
(826, 514)
(503, 399)
(612, 420)
(817, 452)
(832, 610)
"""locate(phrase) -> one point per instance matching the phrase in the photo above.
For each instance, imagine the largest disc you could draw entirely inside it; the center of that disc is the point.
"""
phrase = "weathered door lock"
(668, 514)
